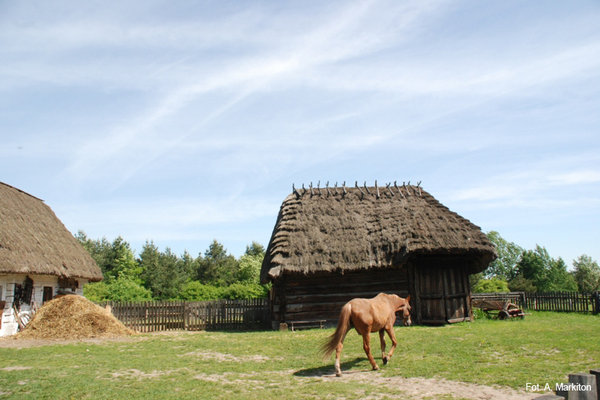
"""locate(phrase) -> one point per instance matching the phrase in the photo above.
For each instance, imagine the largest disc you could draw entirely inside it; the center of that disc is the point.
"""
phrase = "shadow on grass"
(329, 371)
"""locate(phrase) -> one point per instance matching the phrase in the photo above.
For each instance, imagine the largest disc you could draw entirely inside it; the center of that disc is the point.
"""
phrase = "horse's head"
(404, 306)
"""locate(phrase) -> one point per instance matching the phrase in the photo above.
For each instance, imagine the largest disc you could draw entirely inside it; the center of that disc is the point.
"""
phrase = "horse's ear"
(408, 298)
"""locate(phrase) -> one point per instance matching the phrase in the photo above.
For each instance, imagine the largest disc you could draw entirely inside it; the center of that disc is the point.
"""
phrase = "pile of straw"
(73, 317)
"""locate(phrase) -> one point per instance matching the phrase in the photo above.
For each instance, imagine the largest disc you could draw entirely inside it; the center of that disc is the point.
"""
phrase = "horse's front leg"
(367, 347)
(392, 335)
(382, 341)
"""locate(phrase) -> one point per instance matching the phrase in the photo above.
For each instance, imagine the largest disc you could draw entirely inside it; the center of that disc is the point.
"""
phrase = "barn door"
(442, 294)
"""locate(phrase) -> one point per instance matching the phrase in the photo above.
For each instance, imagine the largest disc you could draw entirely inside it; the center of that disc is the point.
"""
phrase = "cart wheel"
(503, 315)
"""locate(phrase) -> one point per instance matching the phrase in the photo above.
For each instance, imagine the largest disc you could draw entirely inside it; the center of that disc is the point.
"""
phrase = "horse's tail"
(340, 332)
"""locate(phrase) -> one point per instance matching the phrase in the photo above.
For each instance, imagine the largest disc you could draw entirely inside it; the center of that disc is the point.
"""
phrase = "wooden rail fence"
(153, 316)
(550, 301)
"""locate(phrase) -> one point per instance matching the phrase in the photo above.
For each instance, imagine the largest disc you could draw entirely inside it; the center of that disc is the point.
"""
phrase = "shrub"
(245, 291)
(197, 291)
(494, 285)
(120, 289)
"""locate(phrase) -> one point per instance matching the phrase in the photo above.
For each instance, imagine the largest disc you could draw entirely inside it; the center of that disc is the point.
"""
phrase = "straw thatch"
(363, 228)
(34, 241)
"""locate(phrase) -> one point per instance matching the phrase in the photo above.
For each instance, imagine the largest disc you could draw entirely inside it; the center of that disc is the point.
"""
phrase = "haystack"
(73, 317)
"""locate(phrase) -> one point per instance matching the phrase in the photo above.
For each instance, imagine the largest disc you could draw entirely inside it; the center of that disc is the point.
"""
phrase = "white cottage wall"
(9, 325)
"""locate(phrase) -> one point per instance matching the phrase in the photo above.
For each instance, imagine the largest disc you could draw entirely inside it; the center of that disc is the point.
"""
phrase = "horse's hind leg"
(382, 341)
(367, 347)
(338, 352)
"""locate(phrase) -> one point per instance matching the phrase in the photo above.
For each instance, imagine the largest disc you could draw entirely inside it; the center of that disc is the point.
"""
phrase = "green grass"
(545, 347)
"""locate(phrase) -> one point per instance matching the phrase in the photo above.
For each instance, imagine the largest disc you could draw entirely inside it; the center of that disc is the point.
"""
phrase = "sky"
(182, 122)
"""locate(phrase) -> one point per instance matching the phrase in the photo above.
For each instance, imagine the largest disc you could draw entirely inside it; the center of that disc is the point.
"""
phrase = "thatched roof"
(34, 241)
(346, 229)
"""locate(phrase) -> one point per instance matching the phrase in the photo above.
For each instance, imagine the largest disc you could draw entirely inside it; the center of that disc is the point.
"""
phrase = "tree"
(255, 249)
(115, 259)
(162, 273)
(100, 250)
(505, 266)
(559, 279)
(586, 273)
(537, 271)
(250, 264)
(217, 266)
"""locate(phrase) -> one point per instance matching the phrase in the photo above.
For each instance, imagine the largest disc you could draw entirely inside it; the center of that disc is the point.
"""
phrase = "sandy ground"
(423, 388)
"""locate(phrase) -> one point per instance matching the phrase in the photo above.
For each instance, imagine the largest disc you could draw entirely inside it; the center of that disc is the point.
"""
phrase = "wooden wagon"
(500, 309)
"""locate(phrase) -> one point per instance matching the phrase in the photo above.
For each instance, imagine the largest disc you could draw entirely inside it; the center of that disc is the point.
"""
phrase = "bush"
(196, 291)
(494, 285)
(96, 292)
(120, 289)
(245, 291)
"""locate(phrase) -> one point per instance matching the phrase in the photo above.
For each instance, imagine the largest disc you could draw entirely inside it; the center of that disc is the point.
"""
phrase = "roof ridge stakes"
(409, 190)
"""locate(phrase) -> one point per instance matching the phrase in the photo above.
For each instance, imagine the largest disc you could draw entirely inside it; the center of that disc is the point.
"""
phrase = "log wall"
(321, 297)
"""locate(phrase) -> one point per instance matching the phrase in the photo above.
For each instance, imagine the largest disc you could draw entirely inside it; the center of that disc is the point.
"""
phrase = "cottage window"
(48, 294)
(23, 292)
(67, 284)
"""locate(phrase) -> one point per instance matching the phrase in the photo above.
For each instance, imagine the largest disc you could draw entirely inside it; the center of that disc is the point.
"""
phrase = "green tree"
(100, 250)
(115, 259)
(250, 264)
(255, 249)
(505, 266)
(586, 273)
(537, 271)
(217, 267)
(162, 273)
(559, 279)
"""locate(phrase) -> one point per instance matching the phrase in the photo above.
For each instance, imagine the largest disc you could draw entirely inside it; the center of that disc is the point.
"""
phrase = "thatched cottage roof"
(34, 241)
(355, 228)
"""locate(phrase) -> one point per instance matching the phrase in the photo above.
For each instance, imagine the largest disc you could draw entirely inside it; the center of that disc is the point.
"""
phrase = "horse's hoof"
(338, 374)
(375, 368)
(385, 360)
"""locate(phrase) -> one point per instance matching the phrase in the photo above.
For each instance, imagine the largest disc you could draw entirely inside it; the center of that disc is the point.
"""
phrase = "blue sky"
(183, 122)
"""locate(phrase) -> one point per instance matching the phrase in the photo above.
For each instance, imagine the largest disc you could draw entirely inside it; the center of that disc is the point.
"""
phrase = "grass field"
(543, 348)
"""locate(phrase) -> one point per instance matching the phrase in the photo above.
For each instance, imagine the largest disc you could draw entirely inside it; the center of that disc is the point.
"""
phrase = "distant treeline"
(216, 274)
(163, 275)
(520, 270)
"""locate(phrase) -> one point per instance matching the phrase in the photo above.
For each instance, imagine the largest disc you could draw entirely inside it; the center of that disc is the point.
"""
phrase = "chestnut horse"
(368, 315)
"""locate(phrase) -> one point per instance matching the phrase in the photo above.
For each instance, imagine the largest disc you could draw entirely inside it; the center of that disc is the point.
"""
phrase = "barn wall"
(321, 297)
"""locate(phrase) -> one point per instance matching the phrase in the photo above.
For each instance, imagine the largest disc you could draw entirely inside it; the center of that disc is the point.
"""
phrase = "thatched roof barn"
(38, 255)
(354, 242)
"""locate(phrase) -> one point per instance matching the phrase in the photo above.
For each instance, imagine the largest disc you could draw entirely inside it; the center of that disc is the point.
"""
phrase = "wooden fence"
(152, 316)
(550, 301)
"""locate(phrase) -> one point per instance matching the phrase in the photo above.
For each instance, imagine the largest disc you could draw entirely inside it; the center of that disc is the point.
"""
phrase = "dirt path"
(423, 388)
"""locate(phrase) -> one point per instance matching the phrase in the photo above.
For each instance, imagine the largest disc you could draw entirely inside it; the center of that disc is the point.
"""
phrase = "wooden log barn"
(39, 258)
(332, 244)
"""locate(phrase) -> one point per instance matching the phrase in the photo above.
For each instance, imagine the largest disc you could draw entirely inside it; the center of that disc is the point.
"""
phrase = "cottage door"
(442, 293)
